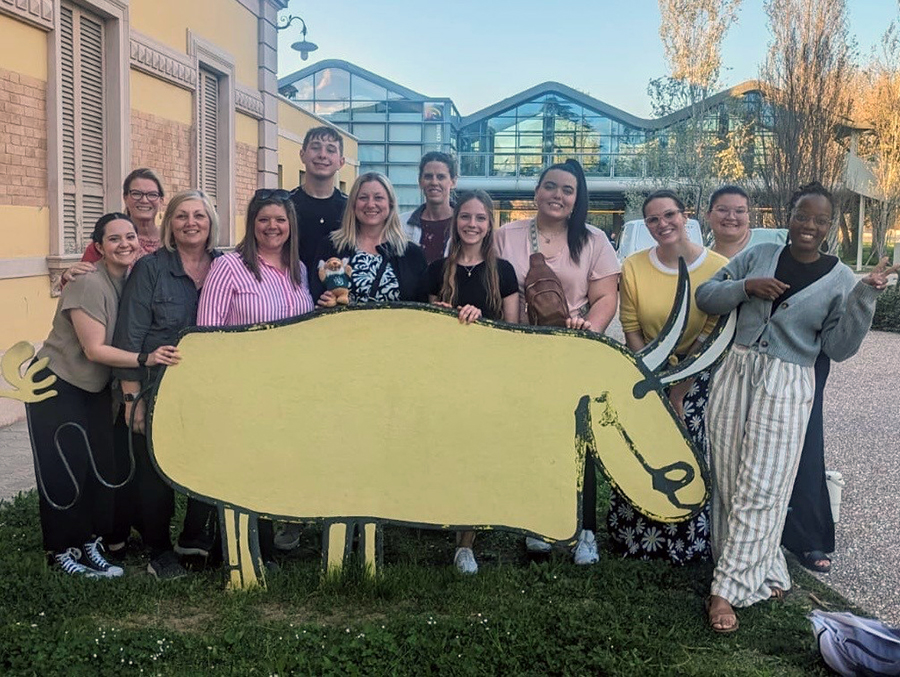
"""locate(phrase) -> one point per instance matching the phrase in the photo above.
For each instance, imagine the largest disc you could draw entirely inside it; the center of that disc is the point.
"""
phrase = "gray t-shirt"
(97, 294)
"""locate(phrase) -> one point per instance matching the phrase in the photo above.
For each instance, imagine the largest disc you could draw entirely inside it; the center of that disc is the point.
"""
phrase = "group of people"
(122, 309)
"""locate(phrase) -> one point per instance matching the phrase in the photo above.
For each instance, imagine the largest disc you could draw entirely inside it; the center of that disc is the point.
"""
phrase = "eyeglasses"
(668, 216)
(800, 217)
(724, 211)
(138, 195)
(271, 194)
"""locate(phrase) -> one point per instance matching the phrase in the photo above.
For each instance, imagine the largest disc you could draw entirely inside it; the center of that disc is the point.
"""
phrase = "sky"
(478, 52)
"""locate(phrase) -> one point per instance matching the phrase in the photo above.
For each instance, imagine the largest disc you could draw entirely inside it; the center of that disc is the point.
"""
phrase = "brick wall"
(165, 147)
(23, 140)
(245, 164)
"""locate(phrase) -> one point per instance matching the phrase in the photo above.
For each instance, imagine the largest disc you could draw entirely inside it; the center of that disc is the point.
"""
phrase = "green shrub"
(887, 310)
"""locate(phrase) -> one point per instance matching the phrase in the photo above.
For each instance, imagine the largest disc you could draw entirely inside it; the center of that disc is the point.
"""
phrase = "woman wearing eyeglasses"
(795, 302)
(809, 526)
(647, 291)
(142, 193)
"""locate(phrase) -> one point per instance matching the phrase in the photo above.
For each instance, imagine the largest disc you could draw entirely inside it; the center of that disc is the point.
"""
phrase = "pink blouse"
(232, 295)
(597, 260)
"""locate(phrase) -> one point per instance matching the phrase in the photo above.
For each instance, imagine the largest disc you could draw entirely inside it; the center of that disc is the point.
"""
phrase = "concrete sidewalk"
(862, 415)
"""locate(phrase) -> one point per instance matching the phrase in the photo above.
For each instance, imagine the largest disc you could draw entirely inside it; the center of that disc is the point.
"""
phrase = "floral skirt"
(632, 534)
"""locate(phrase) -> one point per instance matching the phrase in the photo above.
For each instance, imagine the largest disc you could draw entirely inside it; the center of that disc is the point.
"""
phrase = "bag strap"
(532, 228)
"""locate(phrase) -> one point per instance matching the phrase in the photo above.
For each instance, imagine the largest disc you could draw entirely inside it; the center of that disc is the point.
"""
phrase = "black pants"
(809, 524)
(589, 494)
(147, 503)
(83, 505)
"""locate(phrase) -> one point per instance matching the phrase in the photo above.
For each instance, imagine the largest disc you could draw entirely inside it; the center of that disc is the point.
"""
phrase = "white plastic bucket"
(835, 483)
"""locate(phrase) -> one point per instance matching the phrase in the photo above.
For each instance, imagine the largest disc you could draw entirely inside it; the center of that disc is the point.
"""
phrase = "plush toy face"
(334, 265)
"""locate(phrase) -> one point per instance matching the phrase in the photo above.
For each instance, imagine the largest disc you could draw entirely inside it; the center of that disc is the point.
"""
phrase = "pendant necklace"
(469, 269)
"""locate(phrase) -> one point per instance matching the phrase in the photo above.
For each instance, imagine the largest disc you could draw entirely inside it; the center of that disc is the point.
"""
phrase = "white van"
(635, 237)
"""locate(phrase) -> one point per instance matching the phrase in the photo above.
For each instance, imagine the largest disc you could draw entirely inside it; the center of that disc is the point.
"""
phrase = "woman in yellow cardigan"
(647, 292)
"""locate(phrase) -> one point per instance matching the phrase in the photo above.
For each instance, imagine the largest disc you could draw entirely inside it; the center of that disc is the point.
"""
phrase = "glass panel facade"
(549, 128)
(393, 129)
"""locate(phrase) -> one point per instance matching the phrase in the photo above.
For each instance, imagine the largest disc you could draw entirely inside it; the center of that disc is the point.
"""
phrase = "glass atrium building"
(504, 147)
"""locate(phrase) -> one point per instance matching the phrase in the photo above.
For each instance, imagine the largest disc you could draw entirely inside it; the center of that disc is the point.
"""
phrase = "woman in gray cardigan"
(794, 302)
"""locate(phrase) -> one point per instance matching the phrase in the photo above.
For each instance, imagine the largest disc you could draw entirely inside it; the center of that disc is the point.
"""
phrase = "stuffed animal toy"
(335, 273)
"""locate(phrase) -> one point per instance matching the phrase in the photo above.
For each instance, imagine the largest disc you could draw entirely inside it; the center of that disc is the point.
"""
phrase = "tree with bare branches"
(879, 107)
(807, 82)
(695, 150)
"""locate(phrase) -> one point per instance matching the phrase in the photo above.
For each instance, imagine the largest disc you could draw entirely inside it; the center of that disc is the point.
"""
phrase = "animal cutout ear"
(25, 388)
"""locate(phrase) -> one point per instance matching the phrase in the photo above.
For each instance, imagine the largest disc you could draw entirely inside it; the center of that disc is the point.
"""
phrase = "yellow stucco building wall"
(293, 123)
(165, 43)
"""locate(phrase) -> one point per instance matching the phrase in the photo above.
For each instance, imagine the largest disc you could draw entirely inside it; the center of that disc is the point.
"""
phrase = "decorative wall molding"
(162, 62)
(33, 266)
(248, 101)
(36, 12)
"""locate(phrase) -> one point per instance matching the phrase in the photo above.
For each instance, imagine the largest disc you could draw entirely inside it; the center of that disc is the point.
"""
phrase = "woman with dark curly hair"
(795, 302)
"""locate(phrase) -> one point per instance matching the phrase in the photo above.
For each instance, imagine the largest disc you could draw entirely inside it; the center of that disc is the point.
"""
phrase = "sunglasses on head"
(271, 194)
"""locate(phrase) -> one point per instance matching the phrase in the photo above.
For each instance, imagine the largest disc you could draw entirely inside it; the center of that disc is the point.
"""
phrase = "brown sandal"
(778, 595)
(717, 619)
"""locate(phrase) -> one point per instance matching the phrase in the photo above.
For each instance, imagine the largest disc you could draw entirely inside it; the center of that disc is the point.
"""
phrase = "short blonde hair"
(345, 236)
(167, 237)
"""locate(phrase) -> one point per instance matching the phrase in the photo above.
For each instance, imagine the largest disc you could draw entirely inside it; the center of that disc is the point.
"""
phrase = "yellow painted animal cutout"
(399, 414)
(25, 388)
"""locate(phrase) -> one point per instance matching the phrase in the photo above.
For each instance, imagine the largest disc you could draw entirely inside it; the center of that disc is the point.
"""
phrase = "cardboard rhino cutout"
(398, 414)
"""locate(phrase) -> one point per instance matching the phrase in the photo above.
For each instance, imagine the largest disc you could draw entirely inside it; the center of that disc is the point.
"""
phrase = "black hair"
(100, 227)
(727, 190)
(438, 156)
(247, 247)
(659, 194)
(577, 232)
(812, 188)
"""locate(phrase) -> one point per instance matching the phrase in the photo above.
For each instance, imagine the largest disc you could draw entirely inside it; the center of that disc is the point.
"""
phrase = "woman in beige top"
(71, 433)
(588, 270)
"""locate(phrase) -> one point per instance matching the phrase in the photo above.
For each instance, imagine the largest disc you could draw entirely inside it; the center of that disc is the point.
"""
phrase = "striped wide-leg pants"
(756, 419)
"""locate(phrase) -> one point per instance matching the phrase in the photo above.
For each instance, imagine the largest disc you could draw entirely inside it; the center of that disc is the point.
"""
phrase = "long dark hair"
(247, 248)
(490, 275)
(576, 232)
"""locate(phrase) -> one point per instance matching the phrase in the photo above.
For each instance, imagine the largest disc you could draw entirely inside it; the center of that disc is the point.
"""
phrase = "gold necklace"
(469, 269)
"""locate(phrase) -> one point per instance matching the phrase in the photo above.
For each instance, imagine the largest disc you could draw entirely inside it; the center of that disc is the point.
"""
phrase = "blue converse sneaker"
(93, 557)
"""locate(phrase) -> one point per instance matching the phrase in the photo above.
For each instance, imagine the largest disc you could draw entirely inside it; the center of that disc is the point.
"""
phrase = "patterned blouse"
(365, 269)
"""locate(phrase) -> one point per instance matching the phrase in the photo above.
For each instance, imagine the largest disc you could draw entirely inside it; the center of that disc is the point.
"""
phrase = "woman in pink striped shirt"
(263, 279)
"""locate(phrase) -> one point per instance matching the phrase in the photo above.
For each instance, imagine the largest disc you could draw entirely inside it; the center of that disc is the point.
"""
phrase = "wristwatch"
(142, 359)
(129, 397)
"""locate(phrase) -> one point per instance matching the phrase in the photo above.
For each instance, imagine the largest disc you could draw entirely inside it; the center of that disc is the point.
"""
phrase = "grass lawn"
(515, 617)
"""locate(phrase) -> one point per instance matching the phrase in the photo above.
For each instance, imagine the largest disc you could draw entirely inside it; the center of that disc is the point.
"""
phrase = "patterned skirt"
(632, 534)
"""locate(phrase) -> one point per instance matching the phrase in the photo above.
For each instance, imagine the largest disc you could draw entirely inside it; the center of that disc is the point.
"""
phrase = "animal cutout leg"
(240, 542)
(370, 547)
(334, 548)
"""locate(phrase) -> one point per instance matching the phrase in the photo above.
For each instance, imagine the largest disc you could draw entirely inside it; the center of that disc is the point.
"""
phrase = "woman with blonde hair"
(385, 265)
(159, 300)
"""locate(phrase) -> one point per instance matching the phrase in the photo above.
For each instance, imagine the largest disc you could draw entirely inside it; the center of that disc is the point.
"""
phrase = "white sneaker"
(536, 545)
(585, 551)
(288, 537)
(464, 559)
